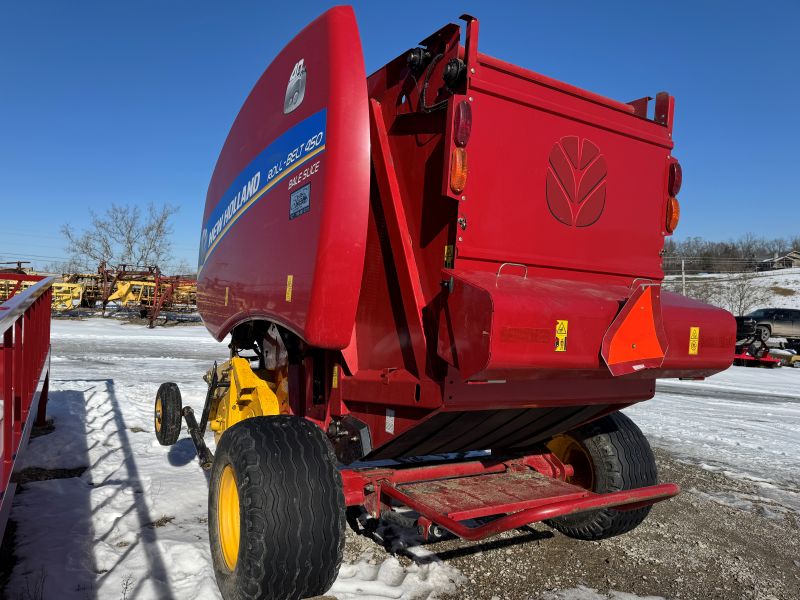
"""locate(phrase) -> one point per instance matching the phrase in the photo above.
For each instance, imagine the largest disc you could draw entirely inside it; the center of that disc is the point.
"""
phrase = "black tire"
(763, 333)
(167, 417)
(621, 459)
(291, 510)
(758, 349)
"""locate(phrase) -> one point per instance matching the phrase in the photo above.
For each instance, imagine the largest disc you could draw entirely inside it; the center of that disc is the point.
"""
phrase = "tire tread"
(623, 460)
(294, 512)
(171, 417)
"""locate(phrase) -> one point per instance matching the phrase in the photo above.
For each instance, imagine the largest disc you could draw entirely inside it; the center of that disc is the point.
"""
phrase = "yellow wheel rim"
(228, 517)
(571, 452)
(158, 414)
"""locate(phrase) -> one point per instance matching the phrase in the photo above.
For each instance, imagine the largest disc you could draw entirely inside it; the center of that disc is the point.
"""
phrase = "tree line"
(699, 255)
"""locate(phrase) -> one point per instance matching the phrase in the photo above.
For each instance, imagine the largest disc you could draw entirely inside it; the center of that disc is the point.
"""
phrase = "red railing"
(24, 376)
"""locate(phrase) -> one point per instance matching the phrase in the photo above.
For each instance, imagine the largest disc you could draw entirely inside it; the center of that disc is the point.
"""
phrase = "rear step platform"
(516, 496)
(486, 495)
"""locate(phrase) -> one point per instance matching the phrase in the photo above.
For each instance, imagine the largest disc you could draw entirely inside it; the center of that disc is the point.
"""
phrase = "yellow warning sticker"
(449, 255)
(226, 296)
(694, 340)
(561, 335)
(335, 381)
(289, 284)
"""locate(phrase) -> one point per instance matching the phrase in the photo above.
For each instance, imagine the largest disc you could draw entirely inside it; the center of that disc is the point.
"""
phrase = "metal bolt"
(472, 70)
(460, 239)
(463, 197)
(462, 222)
(470, 98)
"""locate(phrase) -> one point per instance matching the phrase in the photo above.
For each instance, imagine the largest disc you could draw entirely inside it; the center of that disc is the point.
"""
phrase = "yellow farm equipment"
(67, 296)
(147, 290)
(127, 293)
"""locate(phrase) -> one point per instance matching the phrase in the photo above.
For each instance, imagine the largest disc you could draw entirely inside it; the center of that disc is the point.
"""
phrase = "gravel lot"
(690, 547)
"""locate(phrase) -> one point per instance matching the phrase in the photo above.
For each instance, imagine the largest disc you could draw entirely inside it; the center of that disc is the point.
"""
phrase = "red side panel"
(702, 338)
(560, 178)
(284, 228)
(506, 326)
(509, 326)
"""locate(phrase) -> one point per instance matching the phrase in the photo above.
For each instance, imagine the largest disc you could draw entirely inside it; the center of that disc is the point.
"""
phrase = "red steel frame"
(165, 296)
(24, 375)
(744, 359)
(376, 488)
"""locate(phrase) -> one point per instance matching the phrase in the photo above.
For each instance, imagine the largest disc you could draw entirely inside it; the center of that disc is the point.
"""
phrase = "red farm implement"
(24, 373)
(745, 359)
(441, 283)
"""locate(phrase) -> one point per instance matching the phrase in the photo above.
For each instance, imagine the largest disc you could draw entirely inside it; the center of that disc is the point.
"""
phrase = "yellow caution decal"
(335, 381)
(449, 256)
(694, 340)
(289, 285)
(561, 335)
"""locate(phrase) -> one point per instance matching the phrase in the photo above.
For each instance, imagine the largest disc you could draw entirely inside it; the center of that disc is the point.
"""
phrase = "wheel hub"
(228, 517)
(569, 451)
(158, 414)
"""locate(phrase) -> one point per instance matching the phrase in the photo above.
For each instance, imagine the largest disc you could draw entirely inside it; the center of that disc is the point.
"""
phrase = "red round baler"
(441, 283)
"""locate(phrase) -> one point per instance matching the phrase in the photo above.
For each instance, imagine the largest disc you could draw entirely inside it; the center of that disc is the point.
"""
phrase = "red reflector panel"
(675, 178)
(636, 339)
(462, 125)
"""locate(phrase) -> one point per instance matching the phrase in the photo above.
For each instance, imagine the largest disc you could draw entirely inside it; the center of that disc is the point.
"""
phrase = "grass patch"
(163, 521)
(782, 291)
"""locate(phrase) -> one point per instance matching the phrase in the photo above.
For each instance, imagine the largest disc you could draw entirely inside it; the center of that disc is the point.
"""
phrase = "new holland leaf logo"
(576, 182)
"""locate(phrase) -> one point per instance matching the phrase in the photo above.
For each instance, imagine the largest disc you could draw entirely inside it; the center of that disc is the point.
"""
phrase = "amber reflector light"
(673, 214)
(458, 170)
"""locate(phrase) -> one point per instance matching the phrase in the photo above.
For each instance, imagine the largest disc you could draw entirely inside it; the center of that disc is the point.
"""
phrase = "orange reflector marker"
(458, 170)
(636, 339)
(673, 214)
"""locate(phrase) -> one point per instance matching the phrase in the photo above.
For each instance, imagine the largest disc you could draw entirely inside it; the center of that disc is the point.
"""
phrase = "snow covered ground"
(744, 422)
(136, 518)
(781, 287)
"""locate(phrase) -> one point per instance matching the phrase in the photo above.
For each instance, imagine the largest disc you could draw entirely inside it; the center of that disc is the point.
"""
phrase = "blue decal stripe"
(258, 195)
(282, 157)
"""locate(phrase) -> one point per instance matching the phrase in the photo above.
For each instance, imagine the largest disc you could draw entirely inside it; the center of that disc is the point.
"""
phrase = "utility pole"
(683, 274)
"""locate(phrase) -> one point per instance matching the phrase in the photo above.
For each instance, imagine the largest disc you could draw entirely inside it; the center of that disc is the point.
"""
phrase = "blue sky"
(106, 102)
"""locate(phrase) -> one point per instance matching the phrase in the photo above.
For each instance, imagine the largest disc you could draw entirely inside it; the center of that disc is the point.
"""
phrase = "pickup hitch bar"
(203, 453)
(197, 431)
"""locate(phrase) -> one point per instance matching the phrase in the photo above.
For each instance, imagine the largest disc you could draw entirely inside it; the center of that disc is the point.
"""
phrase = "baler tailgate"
(524, 497)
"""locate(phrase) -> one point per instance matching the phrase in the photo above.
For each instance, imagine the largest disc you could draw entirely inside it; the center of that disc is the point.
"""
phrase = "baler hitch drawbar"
(197, 431)
(203, 453)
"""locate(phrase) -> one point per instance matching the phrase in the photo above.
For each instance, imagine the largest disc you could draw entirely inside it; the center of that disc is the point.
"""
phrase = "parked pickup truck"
(777, 322)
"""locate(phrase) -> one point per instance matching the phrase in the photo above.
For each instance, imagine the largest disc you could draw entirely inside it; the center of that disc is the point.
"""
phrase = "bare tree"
(123, 235)
(182, 267)
(777, 247)
(743, 293)
(706, 291)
